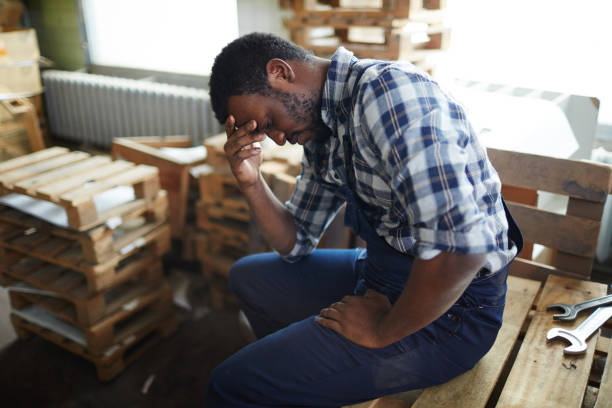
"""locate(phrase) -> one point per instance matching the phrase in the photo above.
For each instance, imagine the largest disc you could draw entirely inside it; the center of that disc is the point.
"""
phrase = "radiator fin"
(93, 109)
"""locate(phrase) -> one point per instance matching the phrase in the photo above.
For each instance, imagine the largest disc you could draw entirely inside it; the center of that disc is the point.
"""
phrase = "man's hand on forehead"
(231, 128)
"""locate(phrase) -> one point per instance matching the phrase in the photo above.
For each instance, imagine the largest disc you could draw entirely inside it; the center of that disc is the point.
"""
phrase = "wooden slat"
(604, 397)
(9, 178)
(30, 185)
(461, 392)
(567, 233)
(574, 263)
(160, 141)
(571, 291)
(129, 177)
(53, 190)
(533, 270)
(586, 180)
(542, 375)
(138, 153)
(31, 158)
(585, 209)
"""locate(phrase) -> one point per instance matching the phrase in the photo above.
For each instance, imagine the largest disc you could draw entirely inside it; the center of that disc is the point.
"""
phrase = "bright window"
(556, 45)
(180, 36)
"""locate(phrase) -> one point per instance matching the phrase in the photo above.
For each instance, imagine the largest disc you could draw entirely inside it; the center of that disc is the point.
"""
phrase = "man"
(424, 302)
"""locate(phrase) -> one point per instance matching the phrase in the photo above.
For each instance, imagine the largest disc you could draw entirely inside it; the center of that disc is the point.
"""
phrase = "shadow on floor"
(37, 373)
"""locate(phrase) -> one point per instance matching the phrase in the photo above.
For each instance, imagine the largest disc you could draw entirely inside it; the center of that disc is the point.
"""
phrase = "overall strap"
(348, 150)
(514, 233)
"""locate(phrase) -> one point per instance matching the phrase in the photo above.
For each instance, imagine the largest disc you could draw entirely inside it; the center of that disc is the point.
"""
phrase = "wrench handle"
(594, 321)
(593, 302)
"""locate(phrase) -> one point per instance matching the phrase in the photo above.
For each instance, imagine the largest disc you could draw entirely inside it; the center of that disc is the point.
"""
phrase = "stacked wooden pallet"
(222, 219)
(411, 30)
(174, 157)
(81, 239)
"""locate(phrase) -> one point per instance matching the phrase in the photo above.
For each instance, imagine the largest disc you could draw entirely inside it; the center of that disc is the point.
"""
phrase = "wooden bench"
(522, 369)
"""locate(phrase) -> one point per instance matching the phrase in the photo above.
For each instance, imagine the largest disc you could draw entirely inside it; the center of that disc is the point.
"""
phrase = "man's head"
(268, 79)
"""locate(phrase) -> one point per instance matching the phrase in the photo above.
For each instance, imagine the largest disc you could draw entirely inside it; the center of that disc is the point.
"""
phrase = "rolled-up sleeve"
(422, 136)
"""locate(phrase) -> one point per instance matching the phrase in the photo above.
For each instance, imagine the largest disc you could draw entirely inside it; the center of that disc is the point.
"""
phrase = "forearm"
(432, 288)
(274, 221)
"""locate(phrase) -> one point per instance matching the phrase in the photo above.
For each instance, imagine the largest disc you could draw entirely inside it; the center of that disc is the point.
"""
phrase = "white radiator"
(94, 109)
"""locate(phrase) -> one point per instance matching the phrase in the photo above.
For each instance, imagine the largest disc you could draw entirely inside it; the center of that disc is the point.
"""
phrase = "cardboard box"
(19, 54)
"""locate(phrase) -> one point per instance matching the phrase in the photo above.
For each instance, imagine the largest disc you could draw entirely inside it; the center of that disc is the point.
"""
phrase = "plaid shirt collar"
(334, 90)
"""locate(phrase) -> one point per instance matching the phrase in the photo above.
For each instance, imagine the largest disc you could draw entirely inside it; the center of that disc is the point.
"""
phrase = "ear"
(280, 73)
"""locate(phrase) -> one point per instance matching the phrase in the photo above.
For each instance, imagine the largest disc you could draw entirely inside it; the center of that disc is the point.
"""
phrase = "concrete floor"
(37, 373)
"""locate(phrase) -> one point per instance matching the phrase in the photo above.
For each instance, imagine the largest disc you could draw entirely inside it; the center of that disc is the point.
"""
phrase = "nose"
(278, 137)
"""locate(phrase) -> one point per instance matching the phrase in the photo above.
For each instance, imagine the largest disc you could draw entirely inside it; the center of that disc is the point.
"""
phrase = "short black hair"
(240, 68)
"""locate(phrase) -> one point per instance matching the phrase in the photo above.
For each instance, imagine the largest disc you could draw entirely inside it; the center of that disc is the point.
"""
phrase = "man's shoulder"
(371, 68)
(385, 76)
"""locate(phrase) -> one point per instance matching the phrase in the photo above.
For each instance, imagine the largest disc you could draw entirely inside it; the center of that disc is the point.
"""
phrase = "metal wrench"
(571, 311)
(579, 336)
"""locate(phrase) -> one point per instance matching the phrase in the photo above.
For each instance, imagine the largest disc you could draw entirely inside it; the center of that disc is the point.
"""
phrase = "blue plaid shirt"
(425, 180)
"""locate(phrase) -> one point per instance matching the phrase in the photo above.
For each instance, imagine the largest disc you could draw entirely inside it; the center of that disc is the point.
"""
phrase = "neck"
(314, 73)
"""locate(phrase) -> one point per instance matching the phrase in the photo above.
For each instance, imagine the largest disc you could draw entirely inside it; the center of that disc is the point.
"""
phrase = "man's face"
(283, 116)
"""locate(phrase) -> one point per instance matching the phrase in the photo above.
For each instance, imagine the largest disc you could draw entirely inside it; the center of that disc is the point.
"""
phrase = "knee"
(240, 274)
(220, 386)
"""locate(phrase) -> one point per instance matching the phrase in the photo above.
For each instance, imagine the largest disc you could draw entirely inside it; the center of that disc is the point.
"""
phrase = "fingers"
(229, 125)
(240, 138)
(329, 313)
(330, 324)
(328, 318)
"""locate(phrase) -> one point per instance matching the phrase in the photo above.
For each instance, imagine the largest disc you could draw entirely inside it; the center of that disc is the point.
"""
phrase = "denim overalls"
(298, 363)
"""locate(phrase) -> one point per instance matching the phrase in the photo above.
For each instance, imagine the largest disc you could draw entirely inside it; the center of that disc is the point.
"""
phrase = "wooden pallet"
(66, 278)
(215, 152)
(208, 212)
(81, 309)
(67, 252)
(102, 244)
(73, 179)
(416, 46)
(120, 355)
(523, 369)
(222, 189)
(429, 9)
(216, 219)
(174, 174)
(221, 297)
(217, 254)
(153, 303)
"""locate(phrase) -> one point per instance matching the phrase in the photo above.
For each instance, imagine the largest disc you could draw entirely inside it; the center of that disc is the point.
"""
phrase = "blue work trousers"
(298, 363)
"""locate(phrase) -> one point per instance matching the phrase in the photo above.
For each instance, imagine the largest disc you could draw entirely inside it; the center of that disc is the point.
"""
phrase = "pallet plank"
(137, 174)
(84, 312)
(585, 180)
(28, 159)
(542, 375)
(52, 191)
(567, 233)
(7, 179)
(29, 185)
(604, 397)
